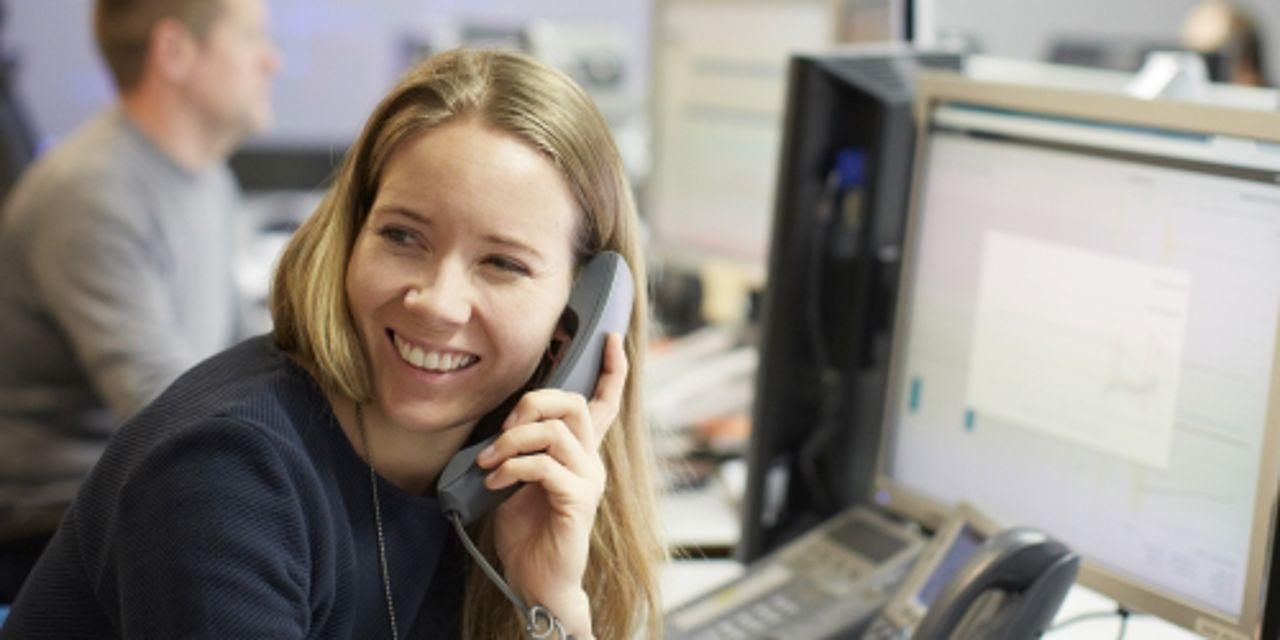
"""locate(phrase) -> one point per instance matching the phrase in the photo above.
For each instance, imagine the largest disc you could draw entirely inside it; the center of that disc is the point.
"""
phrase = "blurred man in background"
(1217, 26)
(116, 249)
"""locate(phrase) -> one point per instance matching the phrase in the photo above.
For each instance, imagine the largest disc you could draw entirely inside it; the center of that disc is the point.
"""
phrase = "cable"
(539, 623)
(820, 348)
(818, 344)
(1124, 622)
(832, 234)
(1121, 612)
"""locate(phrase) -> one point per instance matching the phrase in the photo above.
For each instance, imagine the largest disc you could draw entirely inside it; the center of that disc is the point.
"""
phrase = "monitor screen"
(1086, 336)
(957, 554)
(720, 88)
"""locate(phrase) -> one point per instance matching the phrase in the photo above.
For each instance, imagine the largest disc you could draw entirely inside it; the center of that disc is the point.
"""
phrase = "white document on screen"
(1079, 345)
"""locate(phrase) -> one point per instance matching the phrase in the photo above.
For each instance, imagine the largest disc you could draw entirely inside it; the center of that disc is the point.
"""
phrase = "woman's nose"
(443, 299)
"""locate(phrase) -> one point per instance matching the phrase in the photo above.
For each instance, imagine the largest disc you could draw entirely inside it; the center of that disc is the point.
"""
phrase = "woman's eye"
(508, 265)
(397, 236)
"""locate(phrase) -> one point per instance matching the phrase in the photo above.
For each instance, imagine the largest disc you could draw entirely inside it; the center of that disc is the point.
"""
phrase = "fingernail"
(487, 454)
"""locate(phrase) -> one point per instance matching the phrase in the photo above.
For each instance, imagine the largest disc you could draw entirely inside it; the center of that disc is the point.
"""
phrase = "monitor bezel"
(936, 88)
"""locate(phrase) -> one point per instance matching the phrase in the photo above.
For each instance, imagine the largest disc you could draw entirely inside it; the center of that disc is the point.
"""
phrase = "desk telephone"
(599, 304)
(862, 576)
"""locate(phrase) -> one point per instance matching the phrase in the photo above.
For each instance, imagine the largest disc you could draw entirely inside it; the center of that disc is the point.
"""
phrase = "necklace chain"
(539, 623)
(377, 518)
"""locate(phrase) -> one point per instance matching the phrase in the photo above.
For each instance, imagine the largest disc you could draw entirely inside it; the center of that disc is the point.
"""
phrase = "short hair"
(123, 28)
(1247, 38)
(546, 110)
(1237, 36)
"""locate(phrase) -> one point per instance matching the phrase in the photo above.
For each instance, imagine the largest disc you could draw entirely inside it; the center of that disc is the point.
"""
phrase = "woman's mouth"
(432, 360)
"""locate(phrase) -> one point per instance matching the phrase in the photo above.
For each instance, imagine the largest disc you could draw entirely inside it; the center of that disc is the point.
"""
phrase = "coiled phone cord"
(539, 623)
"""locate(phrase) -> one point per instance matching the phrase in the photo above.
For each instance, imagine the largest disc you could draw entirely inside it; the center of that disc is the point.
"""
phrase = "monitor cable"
(834, 229)
(1121, 612)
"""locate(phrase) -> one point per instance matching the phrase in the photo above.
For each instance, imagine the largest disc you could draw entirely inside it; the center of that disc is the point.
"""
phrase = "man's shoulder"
(88, 170)
(92, 150)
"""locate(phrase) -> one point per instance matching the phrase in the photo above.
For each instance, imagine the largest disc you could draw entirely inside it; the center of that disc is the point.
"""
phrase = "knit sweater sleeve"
(211, 540)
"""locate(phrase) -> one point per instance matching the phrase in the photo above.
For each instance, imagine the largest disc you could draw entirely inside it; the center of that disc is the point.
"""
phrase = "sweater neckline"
(354, 467)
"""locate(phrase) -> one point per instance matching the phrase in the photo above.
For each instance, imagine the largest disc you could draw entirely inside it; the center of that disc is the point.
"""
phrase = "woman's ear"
(559, 345)
(556, 350)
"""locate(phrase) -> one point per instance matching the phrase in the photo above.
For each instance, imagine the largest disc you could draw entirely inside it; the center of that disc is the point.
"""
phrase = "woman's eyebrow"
(514, 244)
(492, 238)
(404, 211)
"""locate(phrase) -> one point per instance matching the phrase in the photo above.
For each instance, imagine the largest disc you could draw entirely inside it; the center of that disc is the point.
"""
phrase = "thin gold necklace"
(377, 518)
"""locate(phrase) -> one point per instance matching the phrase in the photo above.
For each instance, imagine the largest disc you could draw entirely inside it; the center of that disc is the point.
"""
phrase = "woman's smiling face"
(460, 273)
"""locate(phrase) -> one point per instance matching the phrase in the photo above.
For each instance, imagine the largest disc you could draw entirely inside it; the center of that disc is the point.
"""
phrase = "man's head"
(1218, 26)
(214, 56)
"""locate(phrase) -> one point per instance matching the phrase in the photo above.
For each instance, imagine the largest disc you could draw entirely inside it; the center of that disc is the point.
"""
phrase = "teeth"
(431, 361)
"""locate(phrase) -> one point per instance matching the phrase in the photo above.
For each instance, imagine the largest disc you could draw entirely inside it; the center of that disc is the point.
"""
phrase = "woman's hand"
(551, 442)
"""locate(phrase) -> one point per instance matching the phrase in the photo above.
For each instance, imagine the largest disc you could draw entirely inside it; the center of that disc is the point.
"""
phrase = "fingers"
(607, 401)
(554, 404)
(552, 437)
(588, 420)
(562, 486)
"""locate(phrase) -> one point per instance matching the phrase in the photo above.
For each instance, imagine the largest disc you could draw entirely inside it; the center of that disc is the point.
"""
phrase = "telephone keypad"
(817, 587)
(766, 614)
(883, 629)
(829, 567)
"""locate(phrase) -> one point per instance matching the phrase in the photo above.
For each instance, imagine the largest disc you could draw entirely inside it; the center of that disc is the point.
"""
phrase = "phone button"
(730, 631)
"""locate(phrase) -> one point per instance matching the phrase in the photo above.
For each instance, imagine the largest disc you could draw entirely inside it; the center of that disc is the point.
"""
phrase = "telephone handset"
(1009, 589)
(949, 548)
(599, 304)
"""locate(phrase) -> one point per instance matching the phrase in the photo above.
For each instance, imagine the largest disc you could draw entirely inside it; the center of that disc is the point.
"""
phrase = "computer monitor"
(1086, 337)
(720, 79)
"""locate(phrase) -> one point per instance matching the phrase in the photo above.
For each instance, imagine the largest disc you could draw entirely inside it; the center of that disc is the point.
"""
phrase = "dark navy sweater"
(234, 507)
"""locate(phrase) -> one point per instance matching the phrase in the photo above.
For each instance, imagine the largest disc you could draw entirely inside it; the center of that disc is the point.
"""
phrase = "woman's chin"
(427, 417)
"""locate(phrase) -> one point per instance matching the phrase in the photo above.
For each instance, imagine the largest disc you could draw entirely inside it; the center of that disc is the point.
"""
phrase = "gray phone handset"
(1009, 589)
(599, 304)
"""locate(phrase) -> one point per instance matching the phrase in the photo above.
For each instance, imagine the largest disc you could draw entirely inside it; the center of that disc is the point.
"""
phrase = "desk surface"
(703, 519)
(684, 580)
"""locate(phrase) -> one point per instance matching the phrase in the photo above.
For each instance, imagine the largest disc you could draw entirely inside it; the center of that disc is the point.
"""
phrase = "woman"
(284, 488)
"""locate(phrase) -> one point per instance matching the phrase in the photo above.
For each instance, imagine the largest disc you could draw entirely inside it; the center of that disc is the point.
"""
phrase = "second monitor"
(1086, 337)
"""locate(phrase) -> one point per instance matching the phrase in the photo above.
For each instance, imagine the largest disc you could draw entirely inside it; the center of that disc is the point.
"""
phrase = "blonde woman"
(284, 488)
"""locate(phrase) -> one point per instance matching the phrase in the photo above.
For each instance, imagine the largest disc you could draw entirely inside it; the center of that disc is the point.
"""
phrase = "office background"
(1027, 29)
(339, 55)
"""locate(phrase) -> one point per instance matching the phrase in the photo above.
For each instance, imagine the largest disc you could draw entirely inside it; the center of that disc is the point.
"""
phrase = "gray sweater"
(115, 277)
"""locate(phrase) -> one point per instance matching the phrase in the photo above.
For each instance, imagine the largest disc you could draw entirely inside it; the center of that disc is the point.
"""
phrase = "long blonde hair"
(546, 110)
